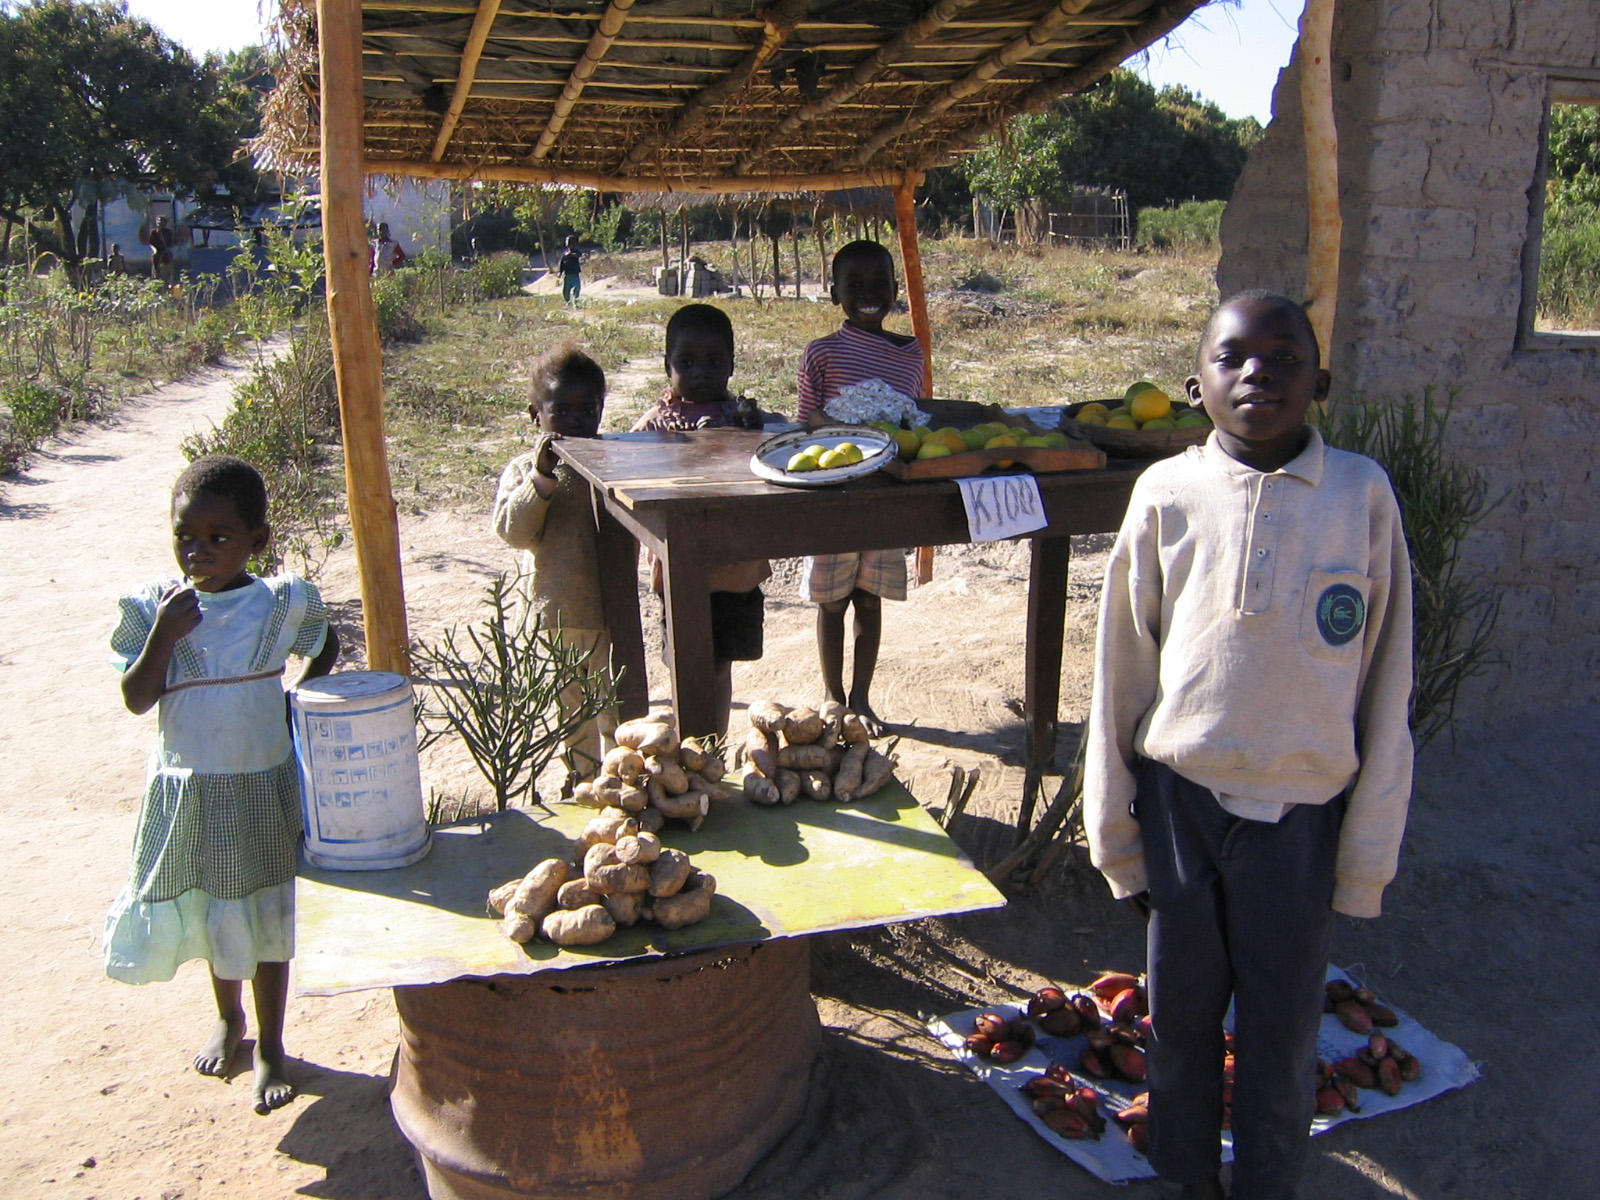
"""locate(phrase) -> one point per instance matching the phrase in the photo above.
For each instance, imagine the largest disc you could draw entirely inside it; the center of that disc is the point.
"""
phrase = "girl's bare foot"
(213, 1058)
(273, 1089)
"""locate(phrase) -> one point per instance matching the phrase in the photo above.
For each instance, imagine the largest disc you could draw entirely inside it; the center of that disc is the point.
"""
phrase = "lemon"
(1134, 389)
(851, 451)
(829, 459)
(933, 448)
(976, 436)
(1149, 405)
(802, 461)
(1001, 439)
(1159, 423)
(1057, 440)
(906, 442)
(1121, 420)
(1093, 411)
(1193, 419)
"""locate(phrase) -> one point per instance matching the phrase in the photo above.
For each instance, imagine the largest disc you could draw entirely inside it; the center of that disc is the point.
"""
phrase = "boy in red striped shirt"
(864, 287)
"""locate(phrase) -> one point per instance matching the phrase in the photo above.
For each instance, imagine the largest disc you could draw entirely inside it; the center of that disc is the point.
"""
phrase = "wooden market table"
(692, 500)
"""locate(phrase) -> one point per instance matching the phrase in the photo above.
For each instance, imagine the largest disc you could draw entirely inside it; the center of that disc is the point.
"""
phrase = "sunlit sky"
(1228, 53)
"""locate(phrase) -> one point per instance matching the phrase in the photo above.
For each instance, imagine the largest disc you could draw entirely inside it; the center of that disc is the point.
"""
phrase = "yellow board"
(781, 872)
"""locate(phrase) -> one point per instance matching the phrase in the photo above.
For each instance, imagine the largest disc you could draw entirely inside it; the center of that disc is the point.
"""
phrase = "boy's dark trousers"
(1242, 910)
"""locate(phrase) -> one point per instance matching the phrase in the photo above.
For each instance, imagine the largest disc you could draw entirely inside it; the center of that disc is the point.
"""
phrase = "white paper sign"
(1002, 506)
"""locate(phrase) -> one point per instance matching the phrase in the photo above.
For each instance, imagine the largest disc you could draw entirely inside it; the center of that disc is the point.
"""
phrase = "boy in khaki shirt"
(1249, 760)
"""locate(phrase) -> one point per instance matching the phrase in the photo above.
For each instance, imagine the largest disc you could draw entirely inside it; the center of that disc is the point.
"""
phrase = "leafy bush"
(497, 276)
(1569, 265)
(395, 301)
(36, 411)
(1193, 225)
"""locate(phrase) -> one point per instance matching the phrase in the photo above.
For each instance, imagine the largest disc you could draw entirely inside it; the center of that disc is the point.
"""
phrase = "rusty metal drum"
(665, 1079)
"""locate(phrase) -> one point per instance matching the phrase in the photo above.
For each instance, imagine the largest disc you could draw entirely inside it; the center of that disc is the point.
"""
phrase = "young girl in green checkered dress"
(215, 851)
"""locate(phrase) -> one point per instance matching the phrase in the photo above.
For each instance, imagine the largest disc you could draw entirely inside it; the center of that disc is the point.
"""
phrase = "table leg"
(691, 663)
(1047, 610)
(618, 561)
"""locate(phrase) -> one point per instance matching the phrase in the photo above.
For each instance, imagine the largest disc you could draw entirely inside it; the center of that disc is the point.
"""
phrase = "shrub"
(1569, 266)
(1192, 225)
(36, 411)
(497, 276)
(395, 300)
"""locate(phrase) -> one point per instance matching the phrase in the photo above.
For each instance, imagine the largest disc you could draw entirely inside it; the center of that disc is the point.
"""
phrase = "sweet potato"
(876, 771)
(499, 896)
(583, 794)
(713, 791)
(853, 730)
(669, 873)
(619, 877)
(601, 854)
(693, 754)
(802, 726)
(810, 757)
(761, 753)
(758, 789)
(689, 806)
(575, 893)
(641, 847)
(625, 907)
(648, 737)
(816, 785)
(788, 785)
(689, 904)
(671, 775)
(632, 798)
(624, 762)
(768, 716)
(580, 927)
(848, 777)
(651, 820)
(520, 927)
(611, 824)
(536, 894)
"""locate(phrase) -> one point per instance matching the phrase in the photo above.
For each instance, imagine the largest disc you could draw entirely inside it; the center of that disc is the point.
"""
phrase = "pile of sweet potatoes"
(656, 777)
(816, 753)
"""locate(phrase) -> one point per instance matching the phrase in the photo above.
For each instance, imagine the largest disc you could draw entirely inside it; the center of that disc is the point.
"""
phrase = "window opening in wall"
(1567, 296)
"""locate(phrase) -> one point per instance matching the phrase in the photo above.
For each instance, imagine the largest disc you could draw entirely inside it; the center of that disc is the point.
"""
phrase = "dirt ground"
(1489, 938)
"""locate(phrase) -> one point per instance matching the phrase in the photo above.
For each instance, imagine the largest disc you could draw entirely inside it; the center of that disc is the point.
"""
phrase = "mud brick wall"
(1440, 105)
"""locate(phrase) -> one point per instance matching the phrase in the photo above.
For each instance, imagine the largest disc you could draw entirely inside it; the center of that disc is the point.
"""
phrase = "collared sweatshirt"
(1255, 636)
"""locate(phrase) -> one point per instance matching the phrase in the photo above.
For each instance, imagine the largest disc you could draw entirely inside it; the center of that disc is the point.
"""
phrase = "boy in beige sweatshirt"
(1249, 759)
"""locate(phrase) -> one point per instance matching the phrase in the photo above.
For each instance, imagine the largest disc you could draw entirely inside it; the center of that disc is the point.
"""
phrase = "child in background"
(864, 287)
(571, 268)
(699, 362)
(543, 509)
(1249, 760)
(215, 853)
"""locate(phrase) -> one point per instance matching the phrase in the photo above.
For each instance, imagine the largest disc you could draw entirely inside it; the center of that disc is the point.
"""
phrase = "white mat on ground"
(1112, 1157)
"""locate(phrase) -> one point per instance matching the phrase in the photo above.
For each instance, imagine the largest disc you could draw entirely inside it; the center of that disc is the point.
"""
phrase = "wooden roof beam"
(1042, 30)
(605, 34)
(865, 72)
(482, 23)
(778, 23)
(830, 181)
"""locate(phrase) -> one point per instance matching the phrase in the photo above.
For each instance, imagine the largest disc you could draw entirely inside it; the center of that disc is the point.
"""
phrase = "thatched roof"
(705, 95)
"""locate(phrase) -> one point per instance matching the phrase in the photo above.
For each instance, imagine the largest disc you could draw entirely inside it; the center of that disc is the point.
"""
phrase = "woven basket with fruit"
(1144, 423)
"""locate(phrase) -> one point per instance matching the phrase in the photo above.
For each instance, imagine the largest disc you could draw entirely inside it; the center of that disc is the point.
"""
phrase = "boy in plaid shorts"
(864, 287)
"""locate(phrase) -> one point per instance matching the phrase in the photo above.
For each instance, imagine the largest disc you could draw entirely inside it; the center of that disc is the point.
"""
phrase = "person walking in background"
(386, 253)
(162, 240)
(571, 268)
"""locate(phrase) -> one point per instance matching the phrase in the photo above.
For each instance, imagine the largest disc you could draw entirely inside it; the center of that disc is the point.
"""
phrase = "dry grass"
(1014, 327)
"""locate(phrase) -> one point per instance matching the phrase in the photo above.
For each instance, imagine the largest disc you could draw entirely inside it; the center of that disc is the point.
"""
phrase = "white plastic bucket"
(355, 736)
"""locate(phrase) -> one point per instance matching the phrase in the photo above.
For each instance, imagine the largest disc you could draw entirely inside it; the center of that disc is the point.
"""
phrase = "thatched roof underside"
(711, 95)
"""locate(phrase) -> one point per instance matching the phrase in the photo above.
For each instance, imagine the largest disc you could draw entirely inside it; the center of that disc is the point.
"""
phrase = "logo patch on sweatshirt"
(1341, 612)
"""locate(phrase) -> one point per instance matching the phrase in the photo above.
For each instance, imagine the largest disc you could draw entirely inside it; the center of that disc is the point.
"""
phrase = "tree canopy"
(1158, 146)
(1574, 143)
(93, 101)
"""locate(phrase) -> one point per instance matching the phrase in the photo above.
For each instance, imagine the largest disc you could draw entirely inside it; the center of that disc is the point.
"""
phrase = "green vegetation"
(1193, 225)
(1569, 257)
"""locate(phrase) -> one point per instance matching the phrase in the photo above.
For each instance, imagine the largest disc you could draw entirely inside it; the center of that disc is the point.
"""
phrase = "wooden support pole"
(353, 326)
(905, 220)
(1324, 225)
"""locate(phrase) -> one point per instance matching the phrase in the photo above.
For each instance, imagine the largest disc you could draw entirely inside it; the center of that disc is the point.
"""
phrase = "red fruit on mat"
(1336, 990)
(1088, 1010)
(1410, 1068)
(980, 1044)
(1127, 1006)
(994, 1025)
(1134, 1114)
(1007, 1051)
(1353, 1016)
(1046, 1000)
(1389, 1077)
(1366, 995)
(1042, 1087)
(1128, 1062)
(1066, 1122)
(1112, 982)
(1378, 1044)
(1357, 1072)
(1061, 1022)
(1351, 1094)
(1058, 1071)
(1146, 1027)
(1094, 1063)
(1382, 1015)
(1329, 1102)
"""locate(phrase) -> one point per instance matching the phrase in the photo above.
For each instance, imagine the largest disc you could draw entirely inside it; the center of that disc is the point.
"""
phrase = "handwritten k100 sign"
(1002, 506)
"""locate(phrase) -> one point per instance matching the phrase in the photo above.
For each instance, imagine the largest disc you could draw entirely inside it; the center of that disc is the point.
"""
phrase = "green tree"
(1159, 147)
(1574, 143)
(92, 101)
